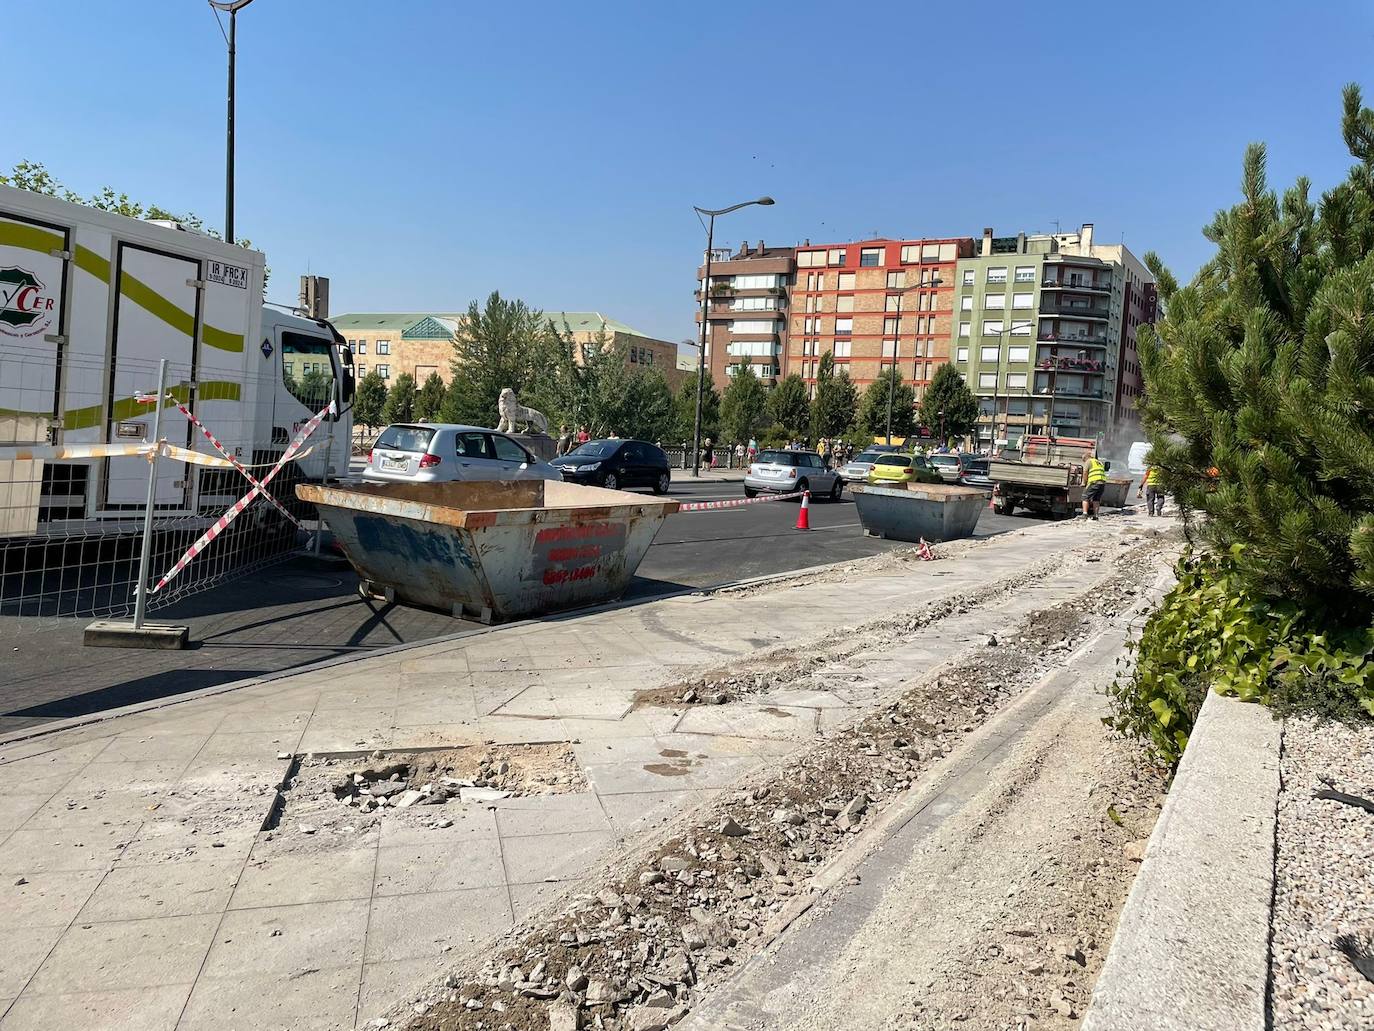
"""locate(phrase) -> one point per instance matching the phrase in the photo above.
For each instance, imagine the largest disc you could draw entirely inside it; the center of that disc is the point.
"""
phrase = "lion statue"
(513, 414)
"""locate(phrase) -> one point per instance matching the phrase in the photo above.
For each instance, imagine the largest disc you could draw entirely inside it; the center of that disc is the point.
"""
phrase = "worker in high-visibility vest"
(1154, 494)
(1094, 483)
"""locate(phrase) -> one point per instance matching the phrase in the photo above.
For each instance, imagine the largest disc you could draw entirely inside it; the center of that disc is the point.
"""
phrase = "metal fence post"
(146, 555)
(324, 479)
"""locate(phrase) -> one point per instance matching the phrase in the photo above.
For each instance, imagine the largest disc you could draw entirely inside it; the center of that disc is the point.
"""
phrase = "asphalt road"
(300, 612)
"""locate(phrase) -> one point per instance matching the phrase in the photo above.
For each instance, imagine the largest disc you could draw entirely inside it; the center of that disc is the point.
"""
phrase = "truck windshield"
(307, 369)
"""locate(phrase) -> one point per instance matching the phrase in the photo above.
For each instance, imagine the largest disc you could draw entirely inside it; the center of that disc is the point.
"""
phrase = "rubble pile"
(329, 790)
(632, 955)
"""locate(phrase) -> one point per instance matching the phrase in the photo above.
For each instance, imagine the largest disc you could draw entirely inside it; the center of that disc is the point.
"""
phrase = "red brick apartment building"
(873, 302)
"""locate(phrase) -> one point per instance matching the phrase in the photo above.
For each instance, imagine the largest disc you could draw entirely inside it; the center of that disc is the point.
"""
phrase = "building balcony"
(756, 338)
(1077, 393)
(1082, 285)
(1051, 335)
(1071, 364)
(1074, 310)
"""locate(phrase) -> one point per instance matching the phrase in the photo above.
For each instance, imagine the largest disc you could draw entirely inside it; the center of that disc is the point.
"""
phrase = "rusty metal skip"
(494, 550)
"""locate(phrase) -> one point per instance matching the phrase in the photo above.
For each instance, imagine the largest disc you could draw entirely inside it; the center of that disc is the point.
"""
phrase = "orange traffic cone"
(804, 516)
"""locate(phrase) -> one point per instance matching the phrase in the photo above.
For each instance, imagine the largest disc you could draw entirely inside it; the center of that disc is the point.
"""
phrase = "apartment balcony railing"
(1058, 306)
(1054, 336)
(1073, 364)
(1095, 286)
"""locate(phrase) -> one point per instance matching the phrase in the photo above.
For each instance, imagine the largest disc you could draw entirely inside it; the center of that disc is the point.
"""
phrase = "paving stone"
(419, 927)
(125, 954)
(316, 935)
(148, 1008)
(552, 856)
(299, 999)
(408, 869)
(166, 889)
(279, 879)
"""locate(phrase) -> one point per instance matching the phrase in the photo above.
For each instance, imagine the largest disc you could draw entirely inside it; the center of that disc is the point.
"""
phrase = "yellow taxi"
(893, 469)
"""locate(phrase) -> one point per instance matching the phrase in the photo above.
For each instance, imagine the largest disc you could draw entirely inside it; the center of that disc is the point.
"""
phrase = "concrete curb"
(1191, 951)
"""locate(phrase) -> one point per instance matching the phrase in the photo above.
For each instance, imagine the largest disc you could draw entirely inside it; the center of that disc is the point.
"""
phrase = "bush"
(1213, 631)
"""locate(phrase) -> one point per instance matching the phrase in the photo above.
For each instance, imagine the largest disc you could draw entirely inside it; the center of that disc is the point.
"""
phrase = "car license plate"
(395, 465)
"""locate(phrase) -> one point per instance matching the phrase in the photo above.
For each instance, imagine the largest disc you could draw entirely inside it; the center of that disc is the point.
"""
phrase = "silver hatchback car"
(437, 452)
(785, 472)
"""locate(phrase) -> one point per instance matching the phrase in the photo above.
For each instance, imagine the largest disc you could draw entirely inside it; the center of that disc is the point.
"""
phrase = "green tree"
(501, 344)
(836, 401)
(650, 415)
(400, 400)
(873, 406)
(605, 386)
(743, 405)
(686, 405)
(789, 406)
(950, 395)
(369, 399)
(429, 399)
(1259, 385)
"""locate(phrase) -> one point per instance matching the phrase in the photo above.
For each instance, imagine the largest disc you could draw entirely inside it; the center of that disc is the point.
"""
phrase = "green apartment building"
(1044, 334)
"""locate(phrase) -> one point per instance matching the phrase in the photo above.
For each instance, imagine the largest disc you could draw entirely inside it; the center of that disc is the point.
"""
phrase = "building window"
(756, 282)
(1022, 300)
(360, 347)
(845, 302)
(1021, 327)
(870, 257)
(969, 276)
(995, 301)
(810, 259)
(964, 330)
(992, 327)
(844, 327)
(1016, 381)
(989, 354)
(987, 381)
(1025, 273)
(846, 281)
(966, 303)
(384, 371)
(383, 346)
(891, 349)
(997, 274)
(896, 280)
(911, 254)
(835, 257)
(752, 326)
(842, 348)
(893, 302)
(1019, 353)
(961, 354)
(634, 355)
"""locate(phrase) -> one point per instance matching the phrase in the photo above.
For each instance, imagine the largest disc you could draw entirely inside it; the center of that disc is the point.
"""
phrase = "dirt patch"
(664, 927)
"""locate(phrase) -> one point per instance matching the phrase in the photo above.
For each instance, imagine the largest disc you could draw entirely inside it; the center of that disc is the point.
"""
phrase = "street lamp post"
(232, 7)
(705, 310)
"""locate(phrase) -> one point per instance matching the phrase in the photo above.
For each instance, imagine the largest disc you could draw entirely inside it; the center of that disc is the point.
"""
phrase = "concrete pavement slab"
(122, 954)
(301, 999)
(424, 927)
(546, 814)
(412, 869)
(44, 899)
(25, 950)
(278, 941)
(552, 857)
(149, 1008)
(166, 889)
(276, 878)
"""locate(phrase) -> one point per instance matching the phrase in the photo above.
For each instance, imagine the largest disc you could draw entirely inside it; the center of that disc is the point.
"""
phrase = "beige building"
(392, 343)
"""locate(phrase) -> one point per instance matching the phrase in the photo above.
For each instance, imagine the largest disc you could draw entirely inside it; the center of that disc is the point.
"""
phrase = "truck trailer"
(1044, 475)
(89, 303)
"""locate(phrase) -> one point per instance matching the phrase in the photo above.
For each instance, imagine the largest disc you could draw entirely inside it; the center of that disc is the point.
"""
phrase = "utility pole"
(705, 312)
(233, 9)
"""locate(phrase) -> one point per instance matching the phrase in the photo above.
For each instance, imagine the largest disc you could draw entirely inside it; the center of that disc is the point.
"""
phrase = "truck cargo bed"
(1020, 472)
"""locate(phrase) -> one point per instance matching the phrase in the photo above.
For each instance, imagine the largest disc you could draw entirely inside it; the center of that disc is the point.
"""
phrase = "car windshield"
(977, 466)
(867, 456)
(898, 460)
(405, 438)
(779, 457)
(595, 449)
(944, 459)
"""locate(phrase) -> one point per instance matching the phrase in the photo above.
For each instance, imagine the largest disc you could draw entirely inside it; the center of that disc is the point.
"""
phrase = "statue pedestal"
(541, 445)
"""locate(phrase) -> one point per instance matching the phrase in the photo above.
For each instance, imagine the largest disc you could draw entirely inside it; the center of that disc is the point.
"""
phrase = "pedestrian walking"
(564, 440)
(582, 435)
(1094, 484)
(710, 453)
(1154, 496)
(753, 449)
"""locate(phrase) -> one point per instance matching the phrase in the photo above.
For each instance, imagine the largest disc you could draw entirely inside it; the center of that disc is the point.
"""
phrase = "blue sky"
(422, 154)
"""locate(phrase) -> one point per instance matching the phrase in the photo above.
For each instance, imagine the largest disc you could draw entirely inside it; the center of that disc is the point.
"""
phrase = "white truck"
(89, 303)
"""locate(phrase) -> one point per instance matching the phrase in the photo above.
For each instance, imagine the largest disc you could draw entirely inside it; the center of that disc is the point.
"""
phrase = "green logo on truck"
(25, 307)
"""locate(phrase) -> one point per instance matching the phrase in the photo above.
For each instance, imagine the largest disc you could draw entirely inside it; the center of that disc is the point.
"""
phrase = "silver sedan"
(437, 452)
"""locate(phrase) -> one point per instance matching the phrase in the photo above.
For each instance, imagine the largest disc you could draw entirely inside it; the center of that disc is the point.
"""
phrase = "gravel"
(1323, 922)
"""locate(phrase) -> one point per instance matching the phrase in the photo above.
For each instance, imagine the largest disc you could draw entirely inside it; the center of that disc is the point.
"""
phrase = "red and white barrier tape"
(81, 452)
(252, 480)
(702, 506)
(237, 507)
